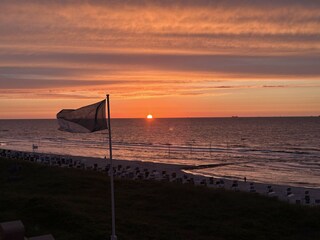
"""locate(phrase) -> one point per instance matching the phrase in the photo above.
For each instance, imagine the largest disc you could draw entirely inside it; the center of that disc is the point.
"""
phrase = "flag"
(86, 119)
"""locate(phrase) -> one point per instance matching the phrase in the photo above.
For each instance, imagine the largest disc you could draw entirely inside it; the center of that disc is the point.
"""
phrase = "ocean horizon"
(235, 116)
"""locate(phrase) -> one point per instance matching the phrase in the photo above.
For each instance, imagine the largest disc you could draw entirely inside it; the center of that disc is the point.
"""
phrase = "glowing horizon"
(183, 59)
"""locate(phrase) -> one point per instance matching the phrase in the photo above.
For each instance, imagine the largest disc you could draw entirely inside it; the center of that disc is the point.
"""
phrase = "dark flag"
(86, 119)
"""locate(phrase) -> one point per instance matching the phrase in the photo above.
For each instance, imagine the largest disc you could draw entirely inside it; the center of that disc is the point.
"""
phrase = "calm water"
(274, 150)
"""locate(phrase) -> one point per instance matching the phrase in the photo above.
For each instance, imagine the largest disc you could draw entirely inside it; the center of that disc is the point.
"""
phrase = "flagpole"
(113, 236)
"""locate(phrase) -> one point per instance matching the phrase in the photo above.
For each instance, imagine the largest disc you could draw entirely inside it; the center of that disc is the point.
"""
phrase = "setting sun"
(149, 116)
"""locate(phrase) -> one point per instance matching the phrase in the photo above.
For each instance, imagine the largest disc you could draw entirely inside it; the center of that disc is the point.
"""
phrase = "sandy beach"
(170, 172)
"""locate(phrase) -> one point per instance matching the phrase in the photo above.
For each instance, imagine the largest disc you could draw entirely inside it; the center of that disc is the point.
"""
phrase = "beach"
(183, 174)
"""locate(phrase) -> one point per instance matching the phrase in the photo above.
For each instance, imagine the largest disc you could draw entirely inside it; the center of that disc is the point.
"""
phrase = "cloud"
(12, 83)
(42, 70)
(263, 65)
(277, 26)
(149, 90)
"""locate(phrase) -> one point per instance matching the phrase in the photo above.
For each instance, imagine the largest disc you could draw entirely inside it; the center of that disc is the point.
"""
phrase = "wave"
(188, 149)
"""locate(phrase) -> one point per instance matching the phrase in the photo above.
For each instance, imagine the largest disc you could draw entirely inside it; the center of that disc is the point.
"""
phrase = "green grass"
(75, 204)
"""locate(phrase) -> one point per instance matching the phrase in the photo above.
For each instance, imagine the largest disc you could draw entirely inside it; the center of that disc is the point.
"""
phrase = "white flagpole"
(113, 235)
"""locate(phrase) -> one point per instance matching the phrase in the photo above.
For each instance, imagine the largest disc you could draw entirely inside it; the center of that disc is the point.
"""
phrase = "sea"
(275, 150)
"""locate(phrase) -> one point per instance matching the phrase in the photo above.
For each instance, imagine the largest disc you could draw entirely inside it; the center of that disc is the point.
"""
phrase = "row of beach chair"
(138, 173)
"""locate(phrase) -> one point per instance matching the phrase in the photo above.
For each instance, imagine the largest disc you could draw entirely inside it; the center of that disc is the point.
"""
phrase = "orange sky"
(183, 59)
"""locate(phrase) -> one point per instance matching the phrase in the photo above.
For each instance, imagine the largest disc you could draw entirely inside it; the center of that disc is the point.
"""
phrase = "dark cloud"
(275, 86)
(279, 37)
(21, 83)
(45, 70)
(291, 65)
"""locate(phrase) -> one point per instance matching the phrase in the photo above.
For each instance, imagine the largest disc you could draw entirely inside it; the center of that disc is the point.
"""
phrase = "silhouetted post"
(169, 149)
(191, 144)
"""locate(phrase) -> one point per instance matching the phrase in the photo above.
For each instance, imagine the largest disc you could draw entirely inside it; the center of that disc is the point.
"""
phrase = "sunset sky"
(168, 58)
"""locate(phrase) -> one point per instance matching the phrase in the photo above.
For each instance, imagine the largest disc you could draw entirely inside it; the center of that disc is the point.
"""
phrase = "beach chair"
(178, 180)
(220, 183)
(95, 167)
(251, 188)
(107, 168)
(270, 191)
(306, 197)
(289, 193)
(190, 181)
(154, 175)
(166, 177)
(235, 185)
(211, 180)
(203, 182)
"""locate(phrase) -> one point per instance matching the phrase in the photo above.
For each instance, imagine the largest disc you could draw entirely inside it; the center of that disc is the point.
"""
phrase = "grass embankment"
(75, 204)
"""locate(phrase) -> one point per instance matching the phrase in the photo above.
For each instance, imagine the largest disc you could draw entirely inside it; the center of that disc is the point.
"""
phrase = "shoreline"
(170, 172)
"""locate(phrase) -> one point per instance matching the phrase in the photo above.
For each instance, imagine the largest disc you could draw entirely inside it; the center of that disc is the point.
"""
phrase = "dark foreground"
(75, 204)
